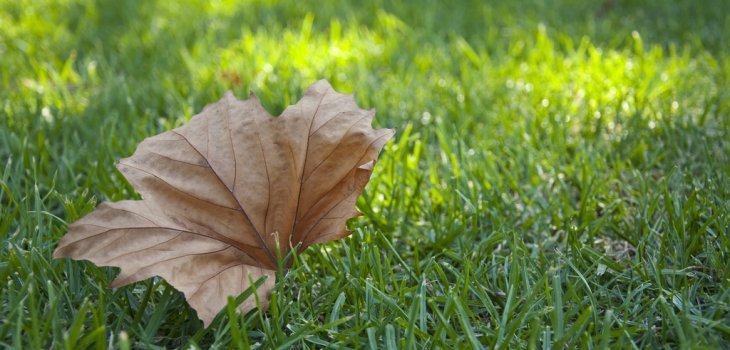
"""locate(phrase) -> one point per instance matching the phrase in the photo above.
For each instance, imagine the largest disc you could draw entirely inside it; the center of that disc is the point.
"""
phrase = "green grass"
(560, 177)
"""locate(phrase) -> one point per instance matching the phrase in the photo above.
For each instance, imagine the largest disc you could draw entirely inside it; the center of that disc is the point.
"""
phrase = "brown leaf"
(219, 190)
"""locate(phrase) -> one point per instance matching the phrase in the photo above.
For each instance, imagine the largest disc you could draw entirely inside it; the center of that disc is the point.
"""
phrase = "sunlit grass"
(559, 178)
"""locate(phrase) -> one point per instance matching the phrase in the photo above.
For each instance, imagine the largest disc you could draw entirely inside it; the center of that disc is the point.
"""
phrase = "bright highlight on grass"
(560, 176)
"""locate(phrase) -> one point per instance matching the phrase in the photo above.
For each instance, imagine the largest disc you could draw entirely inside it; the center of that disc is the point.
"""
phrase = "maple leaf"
(221, 191)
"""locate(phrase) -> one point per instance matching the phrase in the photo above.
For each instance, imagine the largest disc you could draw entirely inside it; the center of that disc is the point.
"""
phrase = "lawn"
(560, 177)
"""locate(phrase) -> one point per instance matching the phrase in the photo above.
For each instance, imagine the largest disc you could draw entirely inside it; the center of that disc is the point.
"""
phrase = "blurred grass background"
(560, 176)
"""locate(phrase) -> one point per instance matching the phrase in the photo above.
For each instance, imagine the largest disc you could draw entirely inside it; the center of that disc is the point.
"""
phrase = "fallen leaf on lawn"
(220, 191)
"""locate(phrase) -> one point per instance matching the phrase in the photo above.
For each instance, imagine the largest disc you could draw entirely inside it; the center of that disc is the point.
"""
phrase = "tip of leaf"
(116, 283)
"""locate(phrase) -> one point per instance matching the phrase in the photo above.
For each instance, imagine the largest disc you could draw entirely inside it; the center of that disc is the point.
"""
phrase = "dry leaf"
(221, 190)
